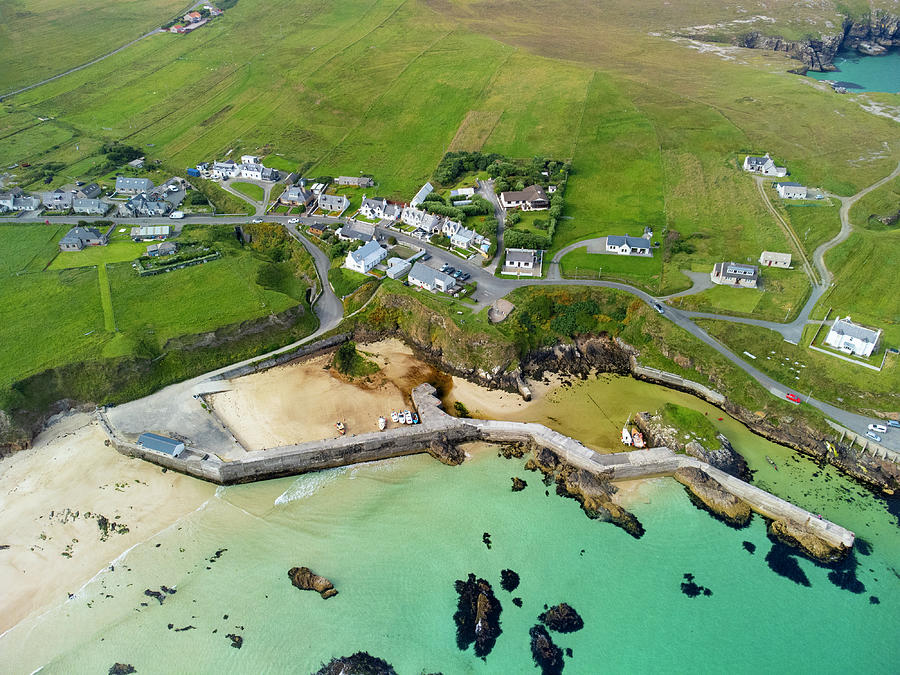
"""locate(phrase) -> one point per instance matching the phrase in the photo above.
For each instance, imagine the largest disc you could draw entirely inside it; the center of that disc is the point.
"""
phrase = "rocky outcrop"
(592, 491)
(518, 484)
(815, 54)
(547, 656)
(446, 452)
(713, 497)
(509, 580)
(121, 669)
(307, 580)
(795, 534)
(360, 663)
(562, 618)
(477, 616)
(659, 434)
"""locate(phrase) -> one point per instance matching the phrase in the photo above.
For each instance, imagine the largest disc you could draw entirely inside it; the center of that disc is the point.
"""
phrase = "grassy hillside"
(883, 203)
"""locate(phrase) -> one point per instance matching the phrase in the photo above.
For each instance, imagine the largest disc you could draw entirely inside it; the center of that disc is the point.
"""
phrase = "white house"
(58, 200)
(130, 185)
(423, 192)
(365, 257)
(257, 172)
(764, 165)
(459, 235)
(93, 207)
(250, 159)
(355, 181)
(333, 203)
(532, 198)
(381, 209)
(626, 245)
(224, 170)
(790, 190)
(522, 261)
(852, 338)
(462, 192)
(735, 274)
(16, 200)
(770, 259)
(397, 267)
(429, 278)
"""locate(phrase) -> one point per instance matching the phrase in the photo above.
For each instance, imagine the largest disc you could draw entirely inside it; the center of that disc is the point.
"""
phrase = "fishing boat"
(408, 416)
(340, 427)
(637, 438)
(626, 436)
(415, 418)
(772, 462)
(394, 416)
(382, 423)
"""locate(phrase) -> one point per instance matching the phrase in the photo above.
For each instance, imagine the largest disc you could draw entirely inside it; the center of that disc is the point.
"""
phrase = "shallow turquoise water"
(869, 73)
(394, 535)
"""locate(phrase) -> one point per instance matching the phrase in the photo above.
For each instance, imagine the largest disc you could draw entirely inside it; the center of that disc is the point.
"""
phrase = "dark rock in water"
(121, 669)
(166, 589)
(155, 594)
(709, 494)
(783, 562)
(509, 580)
(217, 554)
(171, 626)
(446, 452)
(547, 656)
(518, 484)
(692, 589)
(796, 534)
(516, 451)
(307, 580)
(517, 602)
(181, 630)
(562, 618)
(236, 640)
(847, 580)
(360, 663)
(749, 546)
(486, 539)
(477, 616)
(569, 652)
(873, 600)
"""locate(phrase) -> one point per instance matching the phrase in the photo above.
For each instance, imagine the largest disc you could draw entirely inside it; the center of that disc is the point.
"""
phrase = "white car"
(875, 437)
(394, 416)
(176, 215)
(407, 416)
(256, 221)
(880, 428)
(293, 221)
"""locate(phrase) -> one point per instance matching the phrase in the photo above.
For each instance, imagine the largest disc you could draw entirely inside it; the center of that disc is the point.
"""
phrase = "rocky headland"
(547, 656)
(562, 618)
(307, 580)
(709, 494)
(796, 535)
(360, 663)
(477, 616)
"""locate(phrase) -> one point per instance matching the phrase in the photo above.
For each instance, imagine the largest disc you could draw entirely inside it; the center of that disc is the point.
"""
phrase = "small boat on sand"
(637, 438)
(382, 423)
(408, 416)
(626, 436)
(340, 427)
(772, 462)
(415, 418)
(394, 416)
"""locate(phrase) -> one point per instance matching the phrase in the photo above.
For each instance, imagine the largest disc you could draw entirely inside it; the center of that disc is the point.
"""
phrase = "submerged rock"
(307, 580)
(236, 640)
(446, 452)
(692, 589)
(509, 580)
(518, 484)
(516, 450)
(121, 669)
(360, 663)
(547, 656)
(562, 618)
(711, 495)
(795, 534)
(477, 616)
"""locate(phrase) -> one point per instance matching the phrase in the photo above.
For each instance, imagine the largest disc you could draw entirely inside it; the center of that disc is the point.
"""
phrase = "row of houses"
(250, 167)
(67, 200)
(16, 200)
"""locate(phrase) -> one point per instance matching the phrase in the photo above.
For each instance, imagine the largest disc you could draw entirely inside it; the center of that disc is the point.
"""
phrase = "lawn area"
(28, 247)
(641, 271)
(527, 222)
(881, 203)
(401, 251)
(120, 249)
(815, 223)
(346, 281)
(780, 296)
(692, 422)
(251, 190)
(828, 378)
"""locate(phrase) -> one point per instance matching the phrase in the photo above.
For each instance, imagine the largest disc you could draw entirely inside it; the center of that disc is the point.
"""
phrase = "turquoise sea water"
(868, 73)
(393, 536)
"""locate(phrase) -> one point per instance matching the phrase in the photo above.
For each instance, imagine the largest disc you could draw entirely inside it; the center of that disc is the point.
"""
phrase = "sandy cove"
(52, 498)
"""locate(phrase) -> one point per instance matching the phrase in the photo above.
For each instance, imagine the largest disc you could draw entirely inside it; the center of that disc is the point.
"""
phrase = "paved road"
(486, 190)
(97, 60)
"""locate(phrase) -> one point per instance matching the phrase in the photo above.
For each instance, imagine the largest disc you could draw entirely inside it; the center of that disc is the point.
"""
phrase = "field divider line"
(109, 317)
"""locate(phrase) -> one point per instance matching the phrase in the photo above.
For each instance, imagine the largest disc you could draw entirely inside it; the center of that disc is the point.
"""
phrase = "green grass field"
(881, 203)
(345, 281)
(814, 223)
(251, 190)
(119, 249)
(644, 272)
(27, 247)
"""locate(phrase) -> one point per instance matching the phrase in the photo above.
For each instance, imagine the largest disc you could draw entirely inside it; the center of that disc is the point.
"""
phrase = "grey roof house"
(360, 181)
(333, 203)
(58, 200)
(735, 274)
(131, 185)
(79, 237)
(89, 191)
(423, 192)
(93, 207)
(168, 446)
(429, 278)
(356, 231)
(628, 245)
(165, 248)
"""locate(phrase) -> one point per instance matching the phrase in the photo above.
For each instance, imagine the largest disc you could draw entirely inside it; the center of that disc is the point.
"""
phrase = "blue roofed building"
(163, 444)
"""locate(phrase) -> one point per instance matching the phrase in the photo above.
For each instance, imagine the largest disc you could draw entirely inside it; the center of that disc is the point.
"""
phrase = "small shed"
(163, 444)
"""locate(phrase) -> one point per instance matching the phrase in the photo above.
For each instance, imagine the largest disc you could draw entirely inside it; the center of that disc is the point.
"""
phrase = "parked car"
(293, 221)
(256, 221)
(659, 308)
(893, 423)
(445, 267)
(880, 428)
(176, 215)
(793, 397)
(427, 256)
(465, 277)
(457, 274)
(875, 437)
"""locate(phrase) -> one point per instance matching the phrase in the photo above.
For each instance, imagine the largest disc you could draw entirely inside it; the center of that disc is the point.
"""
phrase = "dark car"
(457, 274)
(427, 256)
(465, 277)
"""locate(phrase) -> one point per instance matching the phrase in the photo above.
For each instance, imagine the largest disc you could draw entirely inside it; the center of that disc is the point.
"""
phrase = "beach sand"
(302, 401)
(51, 499)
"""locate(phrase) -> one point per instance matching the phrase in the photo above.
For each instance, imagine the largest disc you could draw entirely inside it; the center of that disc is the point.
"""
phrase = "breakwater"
(345, 450)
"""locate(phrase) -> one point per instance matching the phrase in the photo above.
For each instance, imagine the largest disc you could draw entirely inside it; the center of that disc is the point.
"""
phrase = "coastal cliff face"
(872, 34)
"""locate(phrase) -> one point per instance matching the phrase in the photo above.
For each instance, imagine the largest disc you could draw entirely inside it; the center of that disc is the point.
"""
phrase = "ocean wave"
(308, 484)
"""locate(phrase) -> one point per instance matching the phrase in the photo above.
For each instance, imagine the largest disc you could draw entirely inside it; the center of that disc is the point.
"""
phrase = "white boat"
(382, 423)
(400, 418)
(637, 438)
(408, 416)
(626, 436)
(394, 416)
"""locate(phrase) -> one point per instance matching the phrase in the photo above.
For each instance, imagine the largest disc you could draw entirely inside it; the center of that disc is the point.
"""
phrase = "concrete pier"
(316, 455)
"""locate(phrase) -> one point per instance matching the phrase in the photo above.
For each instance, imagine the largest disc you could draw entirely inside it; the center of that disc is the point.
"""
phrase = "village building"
(365, 257)
(627, 245)
(224, 170)
(150, 232)
(381, 209)
(16, 200)
(852, 338)
(163, 444)
(356, 231)
(317, 229)
(137, 163)
(423, 192)
(297, 196)
(532, 198)
(142, 206)
(58, 200)
(90, 207)
(764, 165)
(771, 259)
(422, 219)
(459, 236)
(355, 181)
(735, 274)
(791, 190)
(78, 238)
(430, 279)
(462, 192)
(522, 261)
(89, 191)
(333, 203)
(397, 267)
(129, 185)
(165, 248)
(255, 171)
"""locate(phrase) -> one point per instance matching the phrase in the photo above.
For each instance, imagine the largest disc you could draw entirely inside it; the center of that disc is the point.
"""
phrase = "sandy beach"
(69, 506)
(302, 401)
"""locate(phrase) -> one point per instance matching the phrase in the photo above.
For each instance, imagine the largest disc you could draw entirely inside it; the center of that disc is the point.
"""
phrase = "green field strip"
(109, 318)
